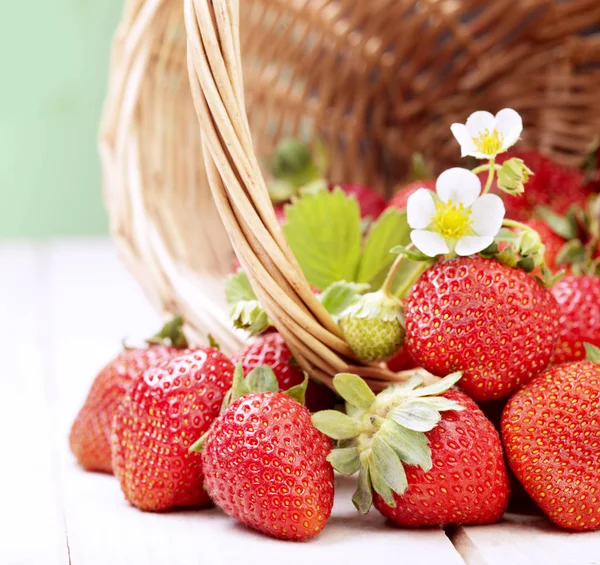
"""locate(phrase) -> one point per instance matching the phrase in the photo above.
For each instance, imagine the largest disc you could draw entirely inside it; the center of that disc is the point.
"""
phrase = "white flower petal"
(480, 121)
(487, 215)
(460, 132)
(420, 208)
(510, 125)
(459, 185)
(471, 244)
(428, 242)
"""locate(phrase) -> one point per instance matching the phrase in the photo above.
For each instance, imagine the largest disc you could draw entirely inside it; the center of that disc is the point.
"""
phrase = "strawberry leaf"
(363, 496)
(238, 288)
(298, 392)
(379, 483)
(345, 460)
(390, 230)
(340, 295)
(415, 416)
(323, 231)
(412, 447)
(354, 390)
(335, 424)
(389, 465)
(592, 353)
(262, 379)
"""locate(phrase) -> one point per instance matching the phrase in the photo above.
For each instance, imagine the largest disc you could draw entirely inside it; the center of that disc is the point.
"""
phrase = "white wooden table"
(64, 307)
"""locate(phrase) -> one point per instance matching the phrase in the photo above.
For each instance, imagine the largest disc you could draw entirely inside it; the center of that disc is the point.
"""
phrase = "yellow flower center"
(451, 221)
(489, 143)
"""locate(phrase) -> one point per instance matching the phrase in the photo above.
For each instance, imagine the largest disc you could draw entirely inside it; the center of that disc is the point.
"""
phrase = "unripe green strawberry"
(374, 326)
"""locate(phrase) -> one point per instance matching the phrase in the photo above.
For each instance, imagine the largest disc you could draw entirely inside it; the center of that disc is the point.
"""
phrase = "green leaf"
(239, 386)
(388, 465)
(323, 231)
(198, 445)
(390, 230)
(341, 294)
(412, 447)
(413, 254)
(262, 379)
(363, 496)
(298, 392)
(237, 288)
(249, 315)
(213, 342)
(379, 484)
(439, 387)
(354, 390)
(345, 460)
(564, 226)
(440, 403)
(415, 416)
(592, 353)
(335, 424)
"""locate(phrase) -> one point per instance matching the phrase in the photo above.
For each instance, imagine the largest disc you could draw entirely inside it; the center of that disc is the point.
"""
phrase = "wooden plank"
(31, 519)
(525, 540)
(94, 303)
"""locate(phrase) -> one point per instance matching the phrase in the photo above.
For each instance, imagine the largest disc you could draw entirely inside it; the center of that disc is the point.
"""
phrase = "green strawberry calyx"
(171, 334)
(373, 326)
(592, 353)
(259, 380)
(379, 435)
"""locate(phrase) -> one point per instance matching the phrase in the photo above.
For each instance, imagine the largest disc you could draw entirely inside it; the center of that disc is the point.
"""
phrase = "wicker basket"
(376, 80)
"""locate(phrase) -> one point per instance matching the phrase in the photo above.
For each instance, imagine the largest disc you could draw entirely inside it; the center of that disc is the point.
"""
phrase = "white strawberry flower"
(455, 218)
(484, 135)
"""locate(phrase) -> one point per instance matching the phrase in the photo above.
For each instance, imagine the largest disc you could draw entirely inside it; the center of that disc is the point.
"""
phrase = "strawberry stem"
(491, 174)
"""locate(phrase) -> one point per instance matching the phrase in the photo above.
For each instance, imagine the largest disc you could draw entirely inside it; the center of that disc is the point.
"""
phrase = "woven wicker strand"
(376, 80)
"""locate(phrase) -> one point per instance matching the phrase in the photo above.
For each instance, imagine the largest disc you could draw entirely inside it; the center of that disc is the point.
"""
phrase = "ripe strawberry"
(373, 326)
(90, 434)
(494, 323)
(400, 198)
(420, 468)
(578, 299)
(165, 410)
(370, 202)
(401, 360)
(550, 432)
(266, 465)
(271, 350)
(551, 185)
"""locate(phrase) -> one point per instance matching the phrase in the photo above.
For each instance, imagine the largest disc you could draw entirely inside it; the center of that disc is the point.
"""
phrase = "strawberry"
(271, 350)
(266, 464)
(401, 360)
(370, 202)
(551, 185)
(578, 298)
(90, 434)
(400, 198)
(550, 433)
(165, 410)
(426, 456)
(373, 326)
(494, 323)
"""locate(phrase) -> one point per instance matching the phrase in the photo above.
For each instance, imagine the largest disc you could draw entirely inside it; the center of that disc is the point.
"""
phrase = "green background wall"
(53, 66)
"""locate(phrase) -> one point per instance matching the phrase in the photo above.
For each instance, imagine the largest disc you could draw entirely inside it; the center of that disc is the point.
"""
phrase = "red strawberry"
(401, 361)
(551, 185)
(163, 413)
(578, 298)
(425, 455)
(370, 202)
(550, 430)
(400, 199)
(90, 434)
(266, 465)
(494, 323)
(271, 350)
(468, 483)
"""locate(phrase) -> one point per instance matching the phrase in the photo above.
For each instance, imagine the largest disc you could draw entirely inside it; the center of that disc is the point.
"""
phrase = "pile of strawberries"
(489, 301)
